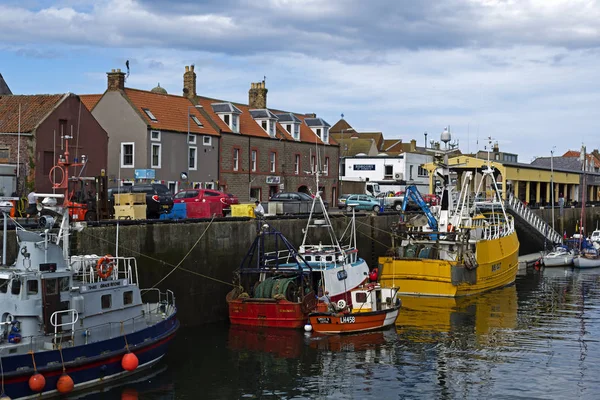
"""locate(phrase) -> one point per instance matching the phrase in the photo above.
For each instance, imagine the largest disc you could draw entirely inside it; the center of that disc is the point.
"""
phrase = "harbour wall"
(202, 280)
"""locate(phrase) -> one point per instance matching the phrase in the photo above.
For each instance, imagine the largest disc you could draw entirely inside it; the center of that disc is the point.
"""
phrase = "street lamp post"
(552, 181)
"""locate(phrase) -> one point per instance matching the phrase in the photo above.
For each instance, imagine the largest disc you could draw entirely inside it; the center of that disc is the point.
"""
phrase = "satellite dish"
(184, 176)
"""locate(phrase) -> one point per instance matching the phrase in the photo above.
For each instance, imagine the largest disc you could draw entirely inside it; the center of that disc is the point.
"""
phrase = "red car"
(206, 196)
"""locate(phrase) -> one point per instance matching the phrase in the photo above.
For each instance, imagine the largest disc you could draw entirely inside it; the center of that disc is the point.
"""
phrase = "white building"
(392, 173)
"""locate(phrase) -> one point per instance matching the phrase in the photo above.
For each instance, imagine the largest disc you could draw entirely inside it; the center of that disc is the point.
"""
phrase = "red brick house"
(264, 150)
(31, 127)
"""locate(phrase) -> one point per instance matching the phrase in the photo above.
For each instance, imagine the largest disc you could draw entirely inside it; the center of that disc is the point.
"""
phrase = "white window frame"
(313, 163)
(325, 135)
(192, 138)
(123, 144)
(326, 166)
(272, 128)
(297, 131)
(297, 164)
(236, 159)
(159, 145)
(207, 142)
(254, 156)
(195, 167)
(273, 162)
(209, 185)
(235, 123)
(175, 186)
(152, 138)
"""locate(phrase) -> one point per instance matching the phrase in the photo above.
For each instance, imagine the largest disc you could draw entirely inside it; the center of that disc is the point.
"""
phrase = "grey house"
(155, 137)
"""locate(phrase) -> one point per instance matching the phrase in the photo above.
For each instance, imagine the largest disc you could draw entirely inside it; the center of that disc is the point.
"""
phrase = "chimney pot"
(192, 67)
(257, 95)
(187, 68)
(113, 70)
(118, 69)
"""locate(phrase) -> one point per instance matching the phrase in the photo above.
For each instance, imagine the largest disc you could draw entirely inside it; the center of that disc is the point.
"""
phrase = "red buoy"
(37, 382)
(129, 362)
(65, 384)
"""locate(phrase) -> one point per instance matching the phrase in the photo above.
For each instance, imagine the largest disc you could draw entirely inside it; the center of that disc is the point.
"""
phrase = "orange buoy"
(37, 382)
(128, 394)
(65, 384)
(129, 362)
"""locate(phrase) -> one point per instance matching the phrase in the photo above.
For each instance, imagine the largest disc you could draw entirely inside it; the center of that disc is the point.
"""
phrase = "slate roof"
(262, 114)
(171, 112)
(576, 154)
(287, 118)
(224, 108)
(316, 122)
(4, 89)
(567, 163)
(90, 100)
(34, 109)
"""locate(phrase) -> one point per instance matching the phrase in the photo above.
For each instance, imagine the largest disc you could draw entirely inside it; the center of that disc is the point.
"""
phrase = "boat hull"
(328, 323)
(558, 261)
(497, 260)
(88, 365)
(267, 312)
(583, 262)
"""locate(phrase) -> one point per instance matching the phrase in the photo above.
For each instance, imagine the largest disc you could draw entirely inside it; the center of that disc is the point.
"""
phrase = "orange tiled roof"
(590, 157)
(90, 100)
(171, 111)
(34, 109)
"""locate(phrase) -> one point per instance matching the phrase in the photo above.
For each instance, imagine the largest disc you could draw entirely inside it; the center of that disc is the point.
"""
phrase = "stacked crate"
(130, 206)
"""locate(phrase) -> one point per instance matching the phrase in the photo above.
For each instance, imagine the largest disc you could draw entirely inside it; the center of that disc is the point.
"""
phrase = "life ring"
(105, 266)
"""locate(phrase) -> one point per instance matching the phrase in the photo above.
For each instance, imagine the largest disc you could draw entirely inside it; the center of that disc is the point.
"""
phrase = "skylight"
(149, 114)
(196, 120)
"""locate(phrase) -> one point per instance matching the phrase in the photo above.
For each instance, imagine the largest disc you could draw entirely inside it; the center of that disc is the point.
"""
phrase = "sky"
(523, 72)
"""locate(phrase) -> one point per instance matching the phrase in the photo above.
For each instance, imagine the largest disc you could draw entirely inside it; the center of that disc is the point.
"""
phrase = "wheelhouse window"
(127, 297)
(273, 161)
(15, 287)
(32, 287)
(192, 159)
(63, 284)
(106, 301)
(156, 155)
(4, 285)
(236, 159)
(127, 155)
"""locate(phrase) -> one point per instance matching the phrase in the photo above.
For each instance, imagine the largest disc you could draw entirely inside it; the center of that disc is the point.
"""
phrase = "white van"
(595, 236)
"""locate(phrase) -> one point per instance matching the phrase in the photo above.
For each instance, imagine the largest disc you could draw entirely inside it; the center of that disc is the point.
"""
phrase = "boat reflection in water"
(352, 342)
(422, 318)
(284, 343)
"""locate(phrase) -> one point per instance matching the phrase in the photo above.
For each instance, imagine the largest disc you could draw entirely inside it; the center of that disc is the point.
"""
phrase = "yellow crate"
(242, 210)
(130, 212)
(122, 199)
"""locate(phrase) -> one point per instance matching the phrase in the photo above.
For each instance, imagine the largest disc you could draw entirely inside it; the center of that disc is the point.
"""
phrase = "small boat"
(465, 246)
(561, 256)
(74, 322)
(588, 258)
(374, 307)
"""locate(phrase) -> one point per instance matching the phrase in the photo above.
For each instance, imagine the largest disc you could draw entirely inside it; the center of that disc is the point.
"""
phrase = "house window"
(209, 185)
(273, 161)
(106, 301)
(272, 128)
(127, 155)
(206, 140)
(253, 160)
(325, 135)
(411, 172)
(326, 166)
(422, 171)
(172, 186)
(192, 138)
(4, 154)
(297, 131)
(255, 194)
(265, 125)
(156, 155)
(196, 120)
(288, 128)
(313, 163)
(319, 132)
(127, 297)
(155, 136)
(297, 164)
(149, 114)
(234, 125)
(226, 118)
(389, 172)
(236, 159)
(192, 159)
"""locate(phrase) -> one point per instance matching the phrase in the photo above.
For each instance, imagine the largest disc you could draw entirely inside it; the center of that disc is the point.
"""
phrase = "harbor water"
(536, 339)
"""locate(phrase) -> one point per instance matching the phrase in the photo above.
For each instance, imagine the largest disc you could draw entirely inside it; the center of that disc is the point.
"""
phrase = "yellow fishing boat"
(465, 245)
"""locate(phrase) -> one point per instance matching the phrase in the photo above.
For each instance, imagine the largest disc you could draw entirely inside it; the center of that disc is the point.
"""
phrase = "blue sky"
(523, 72)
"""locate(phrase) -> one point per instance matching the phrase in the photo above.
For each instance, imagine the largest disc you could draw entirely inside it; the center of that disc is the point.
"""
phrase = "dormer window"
(291, 124)
(266, 119)
(228, 114)
(265, 125)
(320, 127)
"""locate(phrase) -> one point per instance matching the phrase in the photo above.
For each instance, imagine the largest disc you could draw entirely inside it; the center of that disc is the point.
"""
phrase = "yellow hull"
(497, 261)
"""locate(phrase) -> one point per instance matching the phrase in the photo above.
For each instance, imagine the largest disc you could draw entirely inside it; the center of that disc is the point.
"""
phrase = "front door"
(51, 303)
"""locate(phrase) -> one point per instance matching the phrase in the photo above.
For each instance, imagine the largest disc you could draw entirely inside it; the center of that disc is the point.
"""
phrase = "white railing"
(70, 313)
(123, 268)
(519, 208)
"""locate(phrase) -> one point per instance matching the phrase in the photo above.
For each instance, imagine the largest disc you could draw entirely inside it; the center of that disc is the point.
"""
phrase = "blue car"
(362, 202)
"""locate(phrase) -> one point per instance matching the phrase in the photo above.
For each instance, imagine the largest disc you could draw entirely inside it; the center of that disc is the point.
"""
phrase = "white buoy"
(308, 327)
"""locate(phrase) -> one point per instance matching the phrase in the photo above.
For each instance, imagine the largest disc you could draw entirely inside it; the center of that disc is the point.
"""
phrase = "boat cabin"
(373, 297)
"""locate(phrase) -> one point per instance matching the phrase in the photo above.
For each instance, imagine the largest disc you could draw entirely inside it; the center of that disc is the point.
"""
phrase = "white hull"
(582, 262)
(558, 261)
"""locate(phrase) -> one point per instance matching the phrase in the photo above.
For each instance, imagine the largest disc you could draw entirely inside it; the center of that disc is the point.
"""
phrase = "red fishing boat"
(373, 307)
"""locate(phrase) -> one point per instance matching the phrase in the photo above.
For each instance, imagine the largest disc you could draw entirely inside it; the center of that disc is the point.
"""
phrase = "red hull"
(267, 312)
(352, 322)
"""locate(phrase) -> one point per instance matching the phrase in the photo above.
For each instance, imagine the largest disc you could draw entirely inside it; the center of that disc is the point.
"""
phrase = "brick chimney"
(257, 95)
(116, 80)
(413, 145)
(310, 115)
(189, 82)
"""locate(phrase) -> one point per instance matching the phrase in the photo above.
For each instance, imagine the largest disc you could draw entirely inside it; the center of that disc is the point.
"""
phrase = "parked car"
(363, 202)
(159, 199)
(207, 196)
(341, 203)
(295, 196)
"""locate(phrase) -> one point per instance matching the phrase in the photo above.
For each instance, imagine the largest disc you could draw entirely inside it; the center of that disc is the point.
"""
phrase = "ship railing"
(123, 268)
(73, 318)
(278, 257)
(164, 301)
